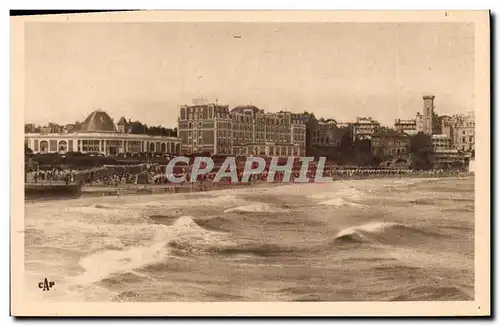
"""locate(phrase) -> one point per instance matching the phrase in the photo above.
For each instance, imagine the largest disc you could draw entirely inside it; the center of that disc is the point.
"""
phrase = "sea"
(351, 240)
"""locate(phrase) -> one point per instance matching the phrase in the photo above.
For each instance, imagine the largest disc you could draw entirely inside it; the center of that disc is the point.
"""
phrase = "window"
(63, 146)
(90, 146)
(44, 146)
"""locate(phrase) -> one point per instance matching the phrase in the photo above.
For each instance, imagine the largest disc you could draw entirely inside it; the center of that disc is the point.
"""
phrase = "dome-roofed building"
(98, 133)
(98, 121)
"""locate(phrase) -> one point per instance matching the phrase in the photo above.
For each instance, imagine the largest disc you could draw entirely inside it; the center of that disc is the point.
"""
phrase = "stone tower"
(428, 114)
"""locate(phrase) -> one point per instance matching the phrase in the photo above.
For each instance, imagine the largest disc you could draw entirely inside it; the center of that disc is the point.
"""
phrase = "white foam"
(372, 227)
(351, 194)
(184, 222)
(323, 195)
(203, 198)
(344, 193)
(104, 263)
(255, 207)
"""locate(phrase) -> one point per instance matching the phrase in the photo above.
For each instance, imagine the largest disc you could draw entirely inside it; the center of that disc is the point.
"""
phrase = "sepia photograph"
(335, 162)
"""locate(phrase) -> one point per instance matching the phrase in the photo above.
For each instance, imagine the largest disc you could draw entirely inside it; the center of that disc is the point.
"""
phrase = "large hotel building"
(243, 130)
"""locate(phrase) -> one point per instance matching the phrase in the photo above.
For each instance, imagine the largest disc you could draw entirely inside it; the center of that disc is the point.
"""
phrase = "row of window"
(250, 135)
(249, 123)
(392, 150)
(99, 146)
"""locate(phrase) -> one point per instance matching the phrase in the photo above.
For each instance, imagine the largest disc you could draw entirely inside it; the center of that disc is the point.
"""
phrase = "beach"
(124, 189)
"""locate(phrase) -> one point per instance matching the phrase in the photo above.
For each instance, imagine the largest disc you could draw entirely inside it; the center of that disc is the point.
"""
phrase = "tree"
(420, 143)
(421, 151)
(347, 141)
(457, 165)
(137, 128)
(308, 116)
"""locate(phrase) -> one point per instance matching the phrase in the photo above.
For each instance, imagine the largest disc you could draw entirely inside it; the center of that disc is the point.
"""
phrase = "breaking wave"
(345, 193)
(105, 263)
(339, 202)
(384, 233)
(256, 208)
(288, 243)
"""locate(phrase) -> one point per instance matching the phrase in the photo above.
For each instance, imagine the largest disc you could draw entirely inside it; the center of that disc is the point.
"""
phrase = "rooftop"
(98, 121)
(389, 133)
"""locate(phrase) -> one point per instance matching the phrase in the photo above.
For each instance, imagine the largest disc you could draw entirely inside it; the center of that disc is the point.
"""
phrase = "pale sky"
(144, 71)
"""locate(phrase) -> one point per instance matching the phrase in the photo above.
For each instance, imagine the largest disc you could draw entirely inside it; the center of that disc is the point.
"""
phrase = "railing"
(46, 182)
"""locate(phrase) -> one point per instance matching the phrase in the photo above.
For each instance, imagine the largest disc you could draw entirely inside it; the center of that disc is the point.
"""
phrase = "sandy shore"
(133, 189)
(144, 189)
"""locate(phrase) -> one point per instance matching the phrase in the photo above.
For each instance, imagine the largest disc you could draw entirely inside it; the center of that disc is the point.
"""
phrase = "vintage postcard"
(260, 163)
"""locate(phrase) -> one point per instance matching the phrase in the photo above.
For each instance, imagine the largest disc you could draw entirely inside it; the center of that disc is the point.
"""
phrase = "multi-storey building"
(407, 126)
(245, 130)
(463, 134)
(442, 151)
(205, 127)
(389, 143)
(440, 142)
(460, 129)
(325, 133)
(448, 156)
(365, 127)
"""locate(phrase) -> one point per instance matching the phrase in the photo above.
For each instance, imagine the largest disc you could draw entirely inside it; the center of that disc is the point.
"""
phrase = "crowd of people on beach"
(157, 174)
(350, 173)
(54, 175)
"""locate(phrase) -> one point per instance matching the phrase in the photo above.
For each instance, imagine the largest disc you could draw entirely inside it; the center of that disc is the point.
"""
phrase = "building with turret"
(99, 134)
(424, 119)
